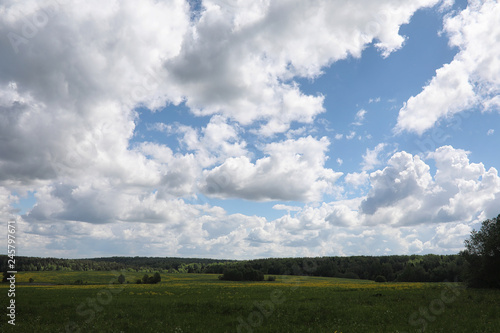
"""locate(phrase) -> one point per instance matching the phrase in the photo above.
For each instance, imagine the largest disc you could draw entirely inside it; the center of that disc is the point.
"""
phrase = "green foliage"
(350, 275)
(271, 278)
(151, 279)
(482, 253)
(193, 265)
(31, 280)
(380, 278)
(427, 268)
(121, 279)
(242, 274)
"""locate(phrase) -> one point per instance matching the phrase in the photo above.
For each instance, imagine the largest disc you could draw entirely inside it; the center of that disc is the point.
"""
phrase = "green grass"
(202, 303)
(88, 277)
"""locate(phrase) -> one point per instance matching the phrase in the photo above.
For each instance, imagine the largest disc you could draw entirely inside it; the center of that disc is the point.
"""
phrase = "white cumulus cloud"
(471, 79)
(292, 170)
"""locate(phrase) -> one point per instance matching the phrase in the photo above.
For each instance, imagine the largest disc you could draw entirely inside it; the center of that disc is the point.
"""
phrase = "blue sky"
(249, 129)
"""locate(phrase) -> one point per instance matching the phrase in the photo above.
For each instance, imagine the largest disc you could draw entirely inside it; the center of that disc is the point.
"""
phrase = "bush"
(31, 280)
(156, 277)
(146, 279)
(121, 279)
(232, 275)
(380, 278)
(271, 278)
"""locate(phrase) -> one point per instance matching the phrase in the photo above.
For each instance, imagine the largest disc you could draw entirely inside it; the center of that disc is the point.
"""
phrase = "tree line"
(148, 264)
(417, 268)
(414, 268)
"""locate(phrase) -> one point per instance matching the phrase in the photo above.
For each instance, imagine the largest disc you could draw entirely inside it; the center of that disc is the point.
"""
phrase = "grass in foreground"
(202, 303)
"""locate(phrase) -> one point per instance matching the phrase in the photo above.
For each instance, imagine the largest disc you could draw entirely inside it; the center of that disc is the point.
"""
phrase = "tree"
(242, 274)
(121, 279)
(156, 277)
(145, 279)
(482, 253)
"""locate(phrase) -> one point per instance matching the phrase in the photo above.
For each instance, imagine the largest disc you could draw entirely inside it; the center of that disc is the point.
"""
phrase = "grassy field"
(202, 303)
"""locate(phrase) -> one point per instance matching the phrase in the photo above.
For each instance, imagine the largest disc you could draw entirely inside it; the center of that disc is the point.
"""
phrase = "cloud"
(360, 116)
(285, 207)
(404, 177)
(405, 193)
(402, 212)
(70, 86)
(470, 80)
(67, 95)
(102, 204)
(490, 132)
(449, 92)
(357, 179)
(77, 113)
(89, 77)
(22, 130)
(342, 215)
(370, 158)
(7, 213)
(471, 189)
(219, 69)
(175, 174)
(291, 170)
(215, 142)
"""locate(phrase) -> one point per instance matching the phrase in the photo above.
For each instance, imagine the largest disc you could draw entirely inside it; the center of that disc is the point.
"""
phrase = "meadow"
(203, 303)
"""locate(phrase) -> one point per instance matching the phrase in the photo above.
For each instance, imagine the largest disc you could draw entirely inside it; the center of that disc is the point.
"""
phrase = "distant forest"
(413, 268)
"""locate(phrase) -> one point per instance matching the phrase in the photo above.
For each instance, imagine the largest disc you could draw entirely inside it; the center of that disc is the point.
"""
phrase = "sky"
(237, 129)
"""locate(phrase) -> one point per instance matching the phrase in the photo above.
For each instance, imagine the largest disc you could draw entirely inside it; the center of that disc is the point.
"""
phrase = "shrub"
(121, 279)
(156, 277)
(146, 279)
(232, 275)
(380, 278)
(31, 280)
